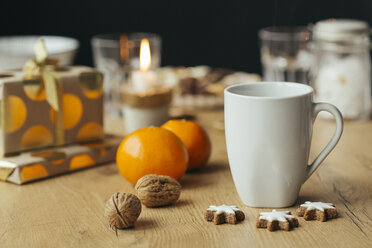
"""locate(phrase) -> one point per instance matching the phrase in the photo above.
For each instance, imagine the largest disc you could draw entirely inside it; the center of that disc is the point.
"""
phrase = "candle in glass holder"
(146, 102)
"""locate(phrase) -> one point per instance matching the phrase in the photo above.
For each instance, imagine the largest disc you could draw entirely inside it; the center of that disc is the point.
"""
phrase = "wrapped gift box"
(28, 121)
(43, 163)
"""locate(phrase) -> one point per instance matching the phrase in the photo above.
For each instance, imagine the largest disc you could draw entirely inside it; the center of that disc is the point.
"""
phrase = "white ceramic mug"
(268, 129)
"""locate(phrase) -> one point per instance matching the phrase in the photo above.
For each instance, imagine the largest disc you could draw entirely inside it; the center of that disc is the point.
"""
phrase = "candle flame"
(145, 55)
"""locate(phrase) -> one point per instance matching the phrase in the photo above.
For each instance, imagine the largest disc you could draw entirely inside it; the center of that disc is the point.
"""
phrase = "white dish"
(16, 50)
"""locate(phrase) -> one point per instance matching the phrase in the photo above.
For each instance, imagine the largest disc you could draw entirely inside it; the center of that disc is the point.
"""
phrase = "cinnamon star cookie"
(276, 220)
(317, 211)
(224, 214)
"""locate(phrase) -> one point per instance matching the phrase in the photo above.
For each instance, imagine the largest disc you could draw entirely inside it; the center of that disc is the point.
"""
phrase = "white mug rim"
(306, 90)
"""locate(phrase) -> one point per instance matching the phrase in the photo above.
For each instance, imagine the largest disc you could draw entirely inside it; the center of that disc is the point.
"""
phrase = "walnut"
(155, 190)
(122, 210)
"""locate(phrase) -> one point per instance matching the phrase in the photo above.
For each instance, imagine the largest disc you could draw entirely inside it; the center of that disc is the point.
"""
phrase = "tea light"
(144, 79)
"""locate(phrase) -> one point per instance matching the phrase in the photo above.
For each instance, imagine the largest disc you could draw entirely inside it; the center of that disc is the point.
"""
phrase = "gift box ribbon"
(44, 67)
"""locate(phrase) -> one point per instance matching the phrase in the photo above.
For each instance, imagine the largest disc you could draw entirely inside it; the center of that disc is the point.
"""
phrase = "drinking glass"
(285, 54)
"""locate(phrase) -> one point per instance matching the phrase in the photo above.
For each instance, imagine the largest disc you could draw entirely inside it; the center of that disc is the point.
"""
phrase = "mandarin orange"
(151, 150)
(195, 138)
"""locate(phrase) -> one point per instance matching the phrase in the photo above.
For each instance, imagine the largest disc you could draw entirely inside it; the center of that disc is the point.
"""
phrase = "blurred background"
(166, 60)
(216, 33)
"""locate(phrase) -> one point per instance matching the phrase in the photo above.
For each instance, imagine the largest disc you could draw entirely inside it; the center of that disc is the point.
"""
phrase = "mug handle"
(316, 108)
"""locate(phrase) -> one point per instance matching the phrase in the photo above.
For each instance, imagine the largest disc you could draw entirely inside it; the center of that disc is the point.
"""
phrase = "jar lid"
(284, 33)
(340, 29)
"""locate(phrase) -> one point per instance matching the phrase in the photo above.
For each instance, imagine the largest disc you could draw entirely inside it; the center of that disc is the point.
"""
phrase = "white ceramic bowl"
(16, 50)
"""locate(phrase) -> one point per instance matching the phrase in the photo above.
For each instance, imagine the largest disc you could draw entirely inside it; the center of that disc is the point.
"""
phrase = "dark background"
(217, 33)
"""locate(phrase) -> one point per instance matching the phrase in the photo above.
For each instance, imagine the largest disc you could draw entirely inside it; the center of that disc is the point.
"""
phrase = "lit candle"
(144, 79)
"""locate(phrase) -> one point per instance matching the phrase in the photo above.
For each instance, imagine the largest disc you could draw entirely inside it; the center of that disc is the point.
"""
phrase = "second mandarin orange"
(195, 138)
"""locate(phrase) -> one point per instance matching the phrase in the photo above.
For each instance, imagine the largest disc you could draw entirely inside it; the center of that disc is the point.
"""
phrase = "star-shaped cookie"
(276, 220)
(317, 211)
(224, 214)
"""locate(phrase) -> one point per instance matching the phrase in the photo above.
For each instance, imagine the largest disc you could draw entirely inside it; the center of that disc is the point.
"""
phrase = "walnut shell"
(122, 210)
(155, 190)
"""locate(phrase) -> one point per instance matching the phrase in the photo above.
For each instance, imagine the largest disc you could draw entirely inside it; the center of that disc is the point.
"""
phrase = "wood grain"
(67, 211)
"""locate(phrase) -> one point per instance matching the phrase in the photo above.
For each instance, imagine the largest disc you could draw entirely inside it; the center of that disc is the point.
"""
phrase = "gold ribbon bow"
(45, 67)
(51, 83)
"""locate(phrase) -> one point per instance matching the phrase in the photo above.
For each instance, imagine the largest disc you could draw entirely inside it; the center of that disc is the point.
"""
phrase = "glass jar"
(341, 72)
(284, 53)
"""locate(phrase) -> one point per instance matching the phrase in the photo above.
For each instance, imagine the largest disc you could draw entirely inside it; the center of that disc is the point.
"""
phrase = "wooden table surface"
(67, 211)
